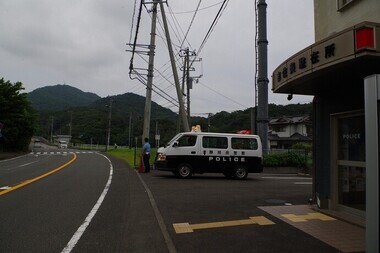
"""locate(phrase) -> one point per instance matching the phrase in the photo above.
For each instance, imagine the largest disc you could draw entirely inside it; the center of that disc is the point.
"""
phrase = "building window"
(278, 129)
(342, 4)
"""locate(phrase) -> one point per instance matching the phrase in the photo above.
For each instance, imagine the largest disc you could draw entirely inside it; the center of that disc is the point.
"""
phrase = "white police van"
(234, 155)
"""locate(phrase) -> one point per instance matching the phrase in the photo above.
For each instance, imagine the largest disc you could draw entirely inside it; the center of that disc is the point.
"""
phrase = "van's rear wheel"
(184, 170)
(240, 172)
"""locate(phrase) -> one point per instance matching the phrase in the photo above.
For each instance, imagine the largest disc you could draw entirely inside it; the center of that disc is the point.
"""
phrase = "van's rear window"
(244, 143)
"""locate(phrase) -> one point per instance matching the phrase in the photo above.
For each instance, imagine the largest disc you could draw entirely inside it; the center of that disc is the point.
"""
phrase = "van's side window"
(214, 142)
(187, 141)
(244, 143)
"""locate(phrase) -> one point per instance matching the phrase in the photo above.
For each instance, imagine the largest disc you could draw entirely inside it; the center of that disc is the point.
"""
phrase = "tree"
(17, 118)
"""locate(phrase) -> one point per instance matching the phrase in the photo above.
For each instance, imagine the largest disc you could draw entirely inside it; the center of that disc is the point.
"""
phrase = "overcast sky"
(82, 43)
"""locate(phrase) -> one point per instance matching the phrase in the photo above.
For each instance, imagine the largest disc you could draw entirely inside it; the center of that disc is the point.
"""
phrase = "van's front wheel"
(240, 172)
(184, 170)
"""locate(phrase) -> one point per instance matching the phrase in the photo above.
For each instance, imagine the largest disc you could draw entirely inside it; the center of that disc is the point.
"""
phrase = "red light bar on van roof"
(365, 38)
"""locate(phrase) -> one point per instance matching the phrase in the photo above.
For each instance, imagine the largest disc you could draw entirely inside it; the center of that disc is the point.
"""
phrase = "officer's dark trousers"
(146, 162)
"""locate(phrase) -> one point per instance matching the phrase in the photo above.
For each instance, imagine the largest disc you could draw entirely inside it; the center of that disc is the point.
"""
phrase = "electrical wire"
(216, 19)
(133, 19)
(135, 40)
(204, 8)
(244, 106)
(191, 23)
(177, 33)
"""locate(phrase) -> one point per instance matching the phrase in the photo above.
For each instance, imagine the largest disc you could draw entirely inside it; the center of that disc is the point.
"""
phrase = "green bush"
(304, 146)
(289, 159)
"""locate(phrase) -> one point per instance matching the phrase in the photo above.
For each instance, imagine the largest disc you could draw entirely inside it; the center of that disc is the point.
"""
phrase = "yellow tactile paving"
(341, 235)
(189, 228)
(182, 228)
(261, 220)
(306, 217)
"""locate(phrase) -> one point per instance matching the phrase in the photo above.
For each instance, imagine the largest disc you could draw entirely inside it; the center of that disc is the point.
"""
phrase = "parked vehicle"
(234, 155)
(62, 144)
(37, 143)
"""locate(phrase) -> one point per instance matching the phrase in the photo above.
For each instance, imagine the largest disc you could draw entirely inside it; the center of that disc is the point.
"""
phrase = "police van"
(234, 155)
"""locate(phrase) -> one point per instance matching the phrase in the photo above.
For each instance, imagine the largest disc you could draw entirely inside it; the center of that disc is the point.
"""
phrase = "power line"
(191, 23)
(135, 40)
(244, 106)
(204, 8)
(133, 18)
(216, 19)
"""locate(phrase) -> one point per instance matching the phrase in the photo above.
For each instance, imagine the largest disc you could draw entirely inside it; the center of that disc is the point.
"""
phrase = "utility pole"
(109, 123)
(129, 129)
(71, 122)
(262, 78)
(51, 128)
(186, 79)
(148, 98)
(186, 126)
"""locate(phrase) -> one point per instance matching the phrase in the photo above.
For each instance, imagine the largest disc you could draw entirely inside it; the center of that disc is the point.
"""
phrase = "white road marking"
(5, 188)
(25, 164)
(78, 234)
(160, 220)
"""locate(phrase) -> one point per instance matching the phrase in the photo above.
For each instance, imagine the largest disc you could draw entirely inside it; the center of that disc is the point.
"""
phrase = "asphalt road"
(139, 212)
(208, 199)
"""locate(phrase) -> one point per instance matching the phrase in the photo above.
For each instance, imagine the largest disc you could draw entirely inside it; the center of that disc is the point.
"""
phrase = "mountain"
(60, 97)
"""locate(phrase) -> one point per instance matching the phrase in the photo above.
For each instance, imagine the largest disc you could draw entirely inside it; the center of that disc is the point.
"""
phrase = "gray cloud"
(82, 43)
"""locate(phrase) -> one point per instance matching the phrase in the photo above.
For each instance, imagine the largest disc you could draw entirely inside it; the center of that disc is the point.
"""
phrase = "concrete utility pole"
(129, 130)
(109, 123)
(51, 129)
(148, 98)
(262, 80)
(186, 80)
(185, 122)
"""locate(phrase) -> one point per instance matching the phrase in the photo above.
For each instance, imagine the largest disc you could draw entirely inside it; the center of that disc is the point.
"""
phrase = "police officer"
(146, 155)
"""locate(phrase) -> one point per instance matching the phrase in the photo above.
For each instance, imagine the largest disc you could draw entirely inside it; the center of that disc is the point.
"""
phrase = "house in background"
(61, 137)
(288, 130)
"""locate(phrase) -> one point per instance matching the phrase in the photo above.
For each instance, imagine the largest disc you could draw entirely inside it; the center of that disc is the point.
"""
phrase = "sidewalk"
(336, 233)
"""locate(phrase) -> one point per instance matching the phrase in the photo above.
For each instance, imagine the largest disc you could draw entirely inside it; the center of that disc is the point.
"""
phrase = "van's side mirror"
(175, 144)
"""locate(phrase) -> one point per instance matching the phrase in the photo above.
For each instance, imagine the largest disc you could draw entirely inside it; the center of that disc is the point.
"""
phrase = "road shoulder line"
(160, 220)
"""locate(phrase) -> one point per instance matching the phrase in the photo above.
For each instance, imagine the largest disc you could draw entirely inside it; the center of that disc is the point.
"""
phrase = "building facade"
(286, 131)
(333, 69)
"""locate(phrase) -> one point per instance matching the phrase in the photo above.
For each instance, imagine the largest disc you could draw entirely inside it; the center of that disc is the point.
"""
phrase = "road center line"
(27, 182)
(26, 164)
(78, 234)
